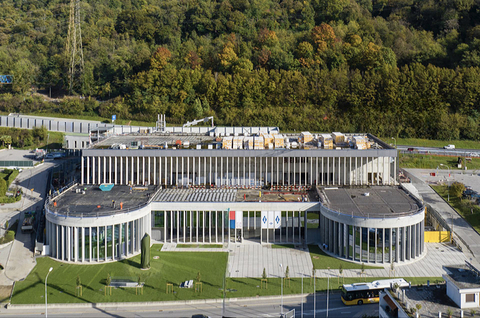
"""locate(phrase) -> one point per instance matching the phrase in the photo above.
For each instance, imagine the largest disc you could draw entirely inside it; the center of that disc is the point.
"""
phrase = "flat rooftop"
(388, 201)
(462, 276)
(96, 201)
(157, 140)
(230, 195)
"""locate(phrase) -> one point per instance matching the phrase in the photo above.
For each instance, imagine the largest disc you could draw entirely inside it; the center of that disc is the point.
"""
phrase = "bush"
(456, 189)
(8, 237)
(3, 187)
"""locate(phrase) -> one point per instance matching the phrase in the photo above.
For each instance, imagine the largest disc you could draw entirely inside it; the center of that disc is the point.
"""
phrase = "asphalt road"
(256, 308)
(441, 151)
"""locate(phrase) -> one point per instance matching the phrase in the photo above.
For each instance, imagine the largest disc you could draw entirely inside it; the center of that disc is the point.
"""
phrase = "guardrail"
(98, 213)
(376, 216)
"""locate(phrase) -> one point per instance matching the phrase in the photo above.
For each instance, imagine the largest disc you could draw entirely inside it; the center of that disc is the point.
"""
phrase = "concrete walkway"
(438, 254)
(249, 260)
(173, 247)
(468, 236)
(18, 257)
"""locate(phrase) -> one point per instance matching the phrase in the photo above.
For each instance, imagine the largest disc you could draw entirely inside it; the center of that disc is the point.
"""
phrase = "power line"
(74, 48)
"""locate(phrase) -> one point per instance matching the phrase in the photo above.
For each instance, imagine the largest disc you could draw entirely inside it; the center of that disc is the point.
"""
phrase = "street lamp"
(46, 312)
(301, 315)
(328, 287)
(448, 184)
(314, 295)
(281, 284)
(395, 148)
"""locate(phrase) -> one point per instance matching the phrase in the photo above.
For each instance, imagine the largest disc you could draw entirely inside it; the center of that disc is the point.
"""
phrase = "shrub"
(456, 189)
(3, 187)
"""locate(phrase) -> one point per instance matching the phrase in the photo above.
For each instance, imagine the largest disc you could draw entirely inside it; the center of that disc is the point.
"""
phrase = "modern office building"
(193, 188)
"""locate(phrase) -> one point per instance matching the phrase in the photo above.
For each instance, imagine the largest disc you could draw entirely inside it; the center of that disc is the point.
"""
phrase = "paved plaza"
(466, 234)
(249, 260)
(438, 254)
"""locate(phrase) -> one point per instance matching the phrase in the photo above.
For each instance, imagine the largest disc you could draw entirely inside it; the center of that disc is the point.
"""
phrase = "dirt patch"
(5, 292)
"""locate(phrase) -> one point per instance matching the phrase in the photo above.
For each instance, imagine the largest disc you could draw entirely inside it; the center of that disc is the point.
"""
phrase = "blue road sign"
(114, 117)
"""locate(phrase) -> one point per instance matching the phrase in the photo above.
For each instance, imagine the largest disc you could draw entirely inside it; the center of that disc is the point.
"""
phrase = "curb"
(150, 303)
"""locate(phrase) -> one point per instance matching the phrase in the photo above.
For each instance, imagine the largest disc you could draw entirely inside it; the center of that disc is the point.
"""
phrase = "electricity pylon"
(74, 49)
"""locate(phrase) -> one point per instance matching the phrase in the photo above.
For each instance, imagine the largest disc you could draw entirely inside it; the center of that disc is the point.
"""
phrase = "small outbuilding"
(463, 285)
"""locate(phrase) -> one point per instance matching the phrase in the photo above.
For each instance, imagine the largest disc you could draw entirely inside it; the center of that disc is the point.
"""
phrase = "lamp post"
(281, 284)
(448, 184)
(395, 142)
(314, 296)
(301, 315)
(328, 287)
(46, 310)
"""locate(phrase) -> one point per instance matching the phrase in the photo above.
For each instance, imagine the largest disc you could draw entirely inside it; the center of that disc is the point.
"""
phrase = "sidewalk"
(17, 257)
(437, 255)
(461, 228)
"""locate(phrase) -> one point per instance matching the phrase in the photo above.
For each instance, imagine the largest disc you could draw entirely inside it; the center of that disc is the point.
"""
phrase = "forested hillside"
(407, 68)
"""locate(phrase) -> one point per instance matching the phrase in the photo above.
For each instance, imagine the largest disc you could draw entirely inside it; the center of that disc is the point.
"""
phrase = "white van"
(449, 147)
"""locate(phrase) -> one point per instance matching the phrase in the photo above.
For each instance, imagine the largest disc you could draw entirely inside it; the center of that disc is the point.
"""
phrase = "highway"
(263, 307)
(440, 151)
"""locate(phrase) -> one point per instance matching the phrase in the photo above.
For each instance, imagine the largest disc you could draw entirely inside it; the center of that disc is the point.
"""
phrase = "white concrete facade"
(373, 239)
(240, 168)
(74, 238)
(464, 297)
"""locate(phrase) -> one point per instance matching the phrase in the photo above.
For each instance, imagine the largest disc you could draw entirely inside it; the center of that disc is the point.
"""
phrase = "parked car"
(449, 147)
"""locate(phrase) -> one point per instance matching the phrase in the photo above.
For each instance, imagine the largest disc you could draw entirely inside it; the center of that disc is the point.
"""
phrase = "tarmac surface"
(17, 257)
(464, 233)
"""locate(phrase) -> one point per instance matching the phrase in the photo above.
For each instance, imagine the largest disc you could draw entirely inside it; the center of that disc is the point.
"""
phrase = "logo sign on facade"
(238, 219)
(231, 215)
(271, 219)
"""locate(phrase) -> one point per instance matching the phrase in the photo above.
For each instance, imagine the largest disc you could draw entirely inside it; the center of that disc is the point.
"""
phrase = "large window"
(470, 298)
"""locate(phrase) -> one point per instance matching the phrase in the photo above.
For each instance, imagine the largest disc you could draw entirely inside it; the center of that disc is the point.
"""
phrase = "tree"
(6, 140)
(160, 58)
(362, 268)
(340, 271)
(6, 225)
(287, 273)
(323, 36)
(456, 189)
(418, 307)
(79, 286)
(228, 56)
(199, 277)
(145, 257)
(264, 274)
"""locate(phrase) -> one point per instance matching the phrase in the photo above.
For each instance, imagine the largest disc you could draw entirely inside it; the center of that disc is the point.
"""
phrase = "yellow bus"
(367, 293)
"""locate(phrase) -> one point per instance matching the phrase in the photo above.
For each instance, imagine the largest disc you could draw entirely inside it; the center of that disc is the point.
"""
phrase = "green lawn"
(283, 246)
(172, 267)
(199, 246)
(250, 287)
(416, 142)
(464, 207)
(432, 162)
(322, 261)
